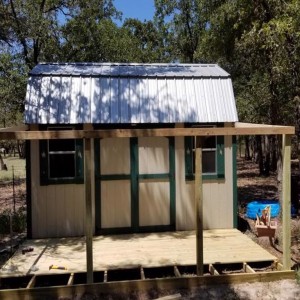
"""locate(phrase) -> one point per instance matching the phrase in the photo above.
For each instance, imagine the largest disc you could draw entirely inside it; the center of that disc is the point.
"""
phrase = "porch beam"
(88, 209)
(199, 207)
(237, 129)
(286, 201)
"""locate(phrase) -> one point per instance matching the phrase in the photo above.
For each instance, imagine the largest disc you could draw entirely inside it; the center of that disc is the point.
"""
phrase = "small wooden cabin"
(139, 184)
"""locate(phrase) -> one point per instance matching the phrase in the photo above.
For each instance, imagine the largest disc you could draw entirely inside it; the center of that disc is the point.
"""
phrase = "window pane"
(61, 165)
(209, 161)
(61, 145)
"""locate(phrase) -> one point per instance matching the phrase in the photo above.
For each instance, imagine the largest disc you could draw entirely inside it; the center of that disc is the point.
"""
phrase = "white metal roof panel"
(129, 93)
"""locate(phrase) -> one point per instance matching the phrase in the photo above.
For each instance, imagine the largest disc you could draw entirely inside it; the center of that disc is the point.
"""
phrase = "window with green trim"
(212, 157)
(61, 161)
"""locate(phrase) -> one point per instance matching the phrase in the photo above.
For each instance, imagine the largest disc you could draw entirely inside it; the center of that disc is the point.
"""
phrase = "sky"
(140, 9)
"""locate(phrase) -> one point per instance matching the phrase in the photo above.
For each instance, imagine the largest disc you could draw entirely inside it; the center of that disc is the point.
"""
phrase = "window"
(61, 161)
(212, 157)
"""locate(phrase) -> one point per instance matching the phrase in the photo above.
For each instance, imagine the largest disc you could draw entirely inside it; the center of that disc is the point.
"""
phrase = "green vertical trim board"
(220, 157)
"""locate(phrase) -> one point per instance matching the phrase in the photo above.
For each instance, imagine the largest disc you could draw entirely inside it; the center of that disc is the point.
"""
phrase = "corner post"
(286, 200)
(88, 209)
(199, 206)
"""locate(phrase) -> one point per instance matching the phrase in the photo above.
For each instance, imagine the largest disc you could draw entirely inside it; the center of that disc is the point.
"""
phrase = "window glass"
(209, 161)
(62, 165)
(61, 160)
(209, 158)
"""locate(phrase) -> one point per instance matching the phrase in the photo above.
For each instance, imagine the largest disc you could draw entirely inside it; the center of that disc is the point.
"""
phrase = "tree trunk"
(259, 155)
(247, 148)
(21, 149)
(266, 161)
(3, 166)
(273, 153)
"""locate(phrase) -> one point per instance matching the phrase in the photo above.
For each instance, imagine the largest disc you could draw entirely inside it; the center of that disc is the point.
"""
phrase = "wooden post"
(199, 207)
(88, 208)
(286, 201)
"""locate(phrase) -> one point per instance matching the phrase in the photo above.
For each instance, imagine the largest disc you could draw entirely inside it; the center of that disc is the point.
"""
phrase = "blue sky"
(140, 9)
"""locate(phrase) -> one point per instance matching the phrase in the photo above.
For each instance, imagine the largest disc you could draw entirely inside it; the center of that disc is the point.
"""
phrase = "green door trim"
(134, 178)
(134, 170)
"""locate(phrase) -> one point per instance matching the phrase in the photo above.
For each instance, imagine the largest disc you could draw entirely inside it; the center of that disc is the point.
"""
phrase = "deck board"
(135, 250)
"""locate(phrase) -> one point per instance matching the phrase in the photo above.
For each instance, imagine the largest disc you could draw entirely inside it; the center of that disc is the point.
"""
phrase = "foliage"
(147, 41)
(18, 220)
(257, 42)
(13, 78)
(183, 24)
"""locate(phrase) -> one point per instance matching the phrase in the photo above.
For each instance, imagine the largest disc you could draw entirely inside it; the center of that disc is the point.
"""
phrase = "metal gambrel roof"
(129, 93)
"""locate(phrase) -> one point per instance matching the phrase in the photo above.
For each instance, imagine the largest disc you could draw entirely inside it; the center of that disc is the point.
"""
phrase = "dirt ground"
(250, 187)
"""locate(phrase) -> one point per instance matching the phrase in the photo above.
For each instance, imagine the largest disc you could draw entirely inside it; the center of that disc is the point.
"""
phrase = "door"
(156, 186)
(134, 185)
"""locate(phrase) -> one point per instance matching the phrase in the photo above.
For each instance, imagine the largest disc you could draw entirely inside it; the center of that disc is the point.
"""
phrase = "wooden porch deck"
(134, 250)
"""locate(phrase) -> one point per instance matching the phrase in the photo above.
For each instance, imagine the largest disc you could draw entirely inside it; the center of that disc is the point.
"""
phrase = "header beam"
(238, 129)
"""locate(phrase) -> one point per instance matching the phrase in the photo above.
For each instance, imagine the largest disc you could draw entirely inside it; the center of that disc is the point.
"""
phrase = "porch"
(224, 246)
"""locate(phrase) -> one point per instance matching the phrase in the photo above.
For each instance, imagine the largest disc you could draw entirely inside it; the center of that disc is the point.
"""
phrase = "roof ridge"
(127, 64)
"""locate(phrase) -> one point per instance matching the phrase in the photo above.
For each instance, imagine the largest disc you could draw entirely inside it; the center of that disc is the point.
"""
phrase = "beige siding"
(115, 204)
(154, 203)
(115, 156)
(115, 194)
(57, 210)
(153, 155)
(218, 194)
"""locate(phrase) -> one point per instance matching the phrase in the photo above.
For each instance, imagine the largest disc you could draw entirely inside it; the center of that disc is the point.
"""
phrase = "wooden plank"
(199, 209)
(31, 283)
(71, 279)
(159, 132)
(147, 250)
(286, 201)
(140, 285)
(212, 270)
(279, 266)
(21, 127)
(88, 208)
(170, 297)
(176, 271)
(247, 268)
(142, 274)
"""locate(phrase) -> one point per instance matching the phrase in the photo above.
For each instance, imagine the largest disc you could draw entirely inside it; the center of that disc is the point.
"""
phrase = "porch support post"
(199, 206)
(88, 209)
(286, 201)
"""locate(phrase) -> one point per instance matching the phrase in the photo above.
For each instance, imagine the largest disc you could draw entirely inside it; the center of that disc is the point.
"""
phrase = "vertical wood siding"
(114, 156)
(115, 204)
(153, 155)
(57, 210)
(217, 193)
(154, 203)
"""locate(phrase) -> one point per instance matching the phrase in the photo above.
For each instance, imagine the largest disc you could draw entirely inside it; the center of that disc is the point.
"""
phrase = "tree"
(147, 41)
(183, 23)
(13, 79)
(34, 27)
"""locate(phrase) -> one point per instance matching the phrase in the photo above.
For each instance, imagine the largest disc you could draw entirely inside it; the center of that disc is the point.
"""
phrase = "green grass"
(13, 163)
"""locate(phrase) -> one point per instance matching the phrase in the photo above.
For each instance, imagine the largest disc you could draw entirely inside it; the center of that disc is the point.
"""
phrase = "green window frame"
(212, 150)
(61, 161)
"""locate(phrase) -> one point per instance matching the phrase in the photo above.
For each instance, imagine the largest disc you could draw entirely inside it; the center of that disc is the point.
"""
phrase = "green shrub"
(18, 221)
